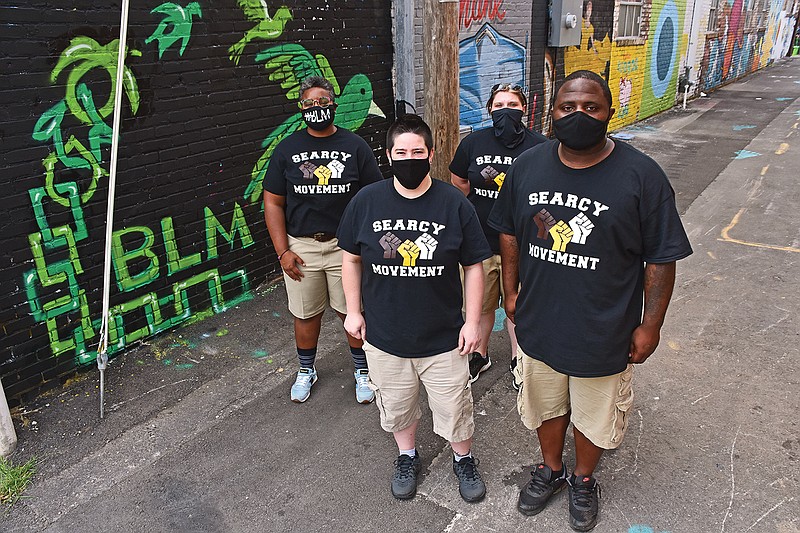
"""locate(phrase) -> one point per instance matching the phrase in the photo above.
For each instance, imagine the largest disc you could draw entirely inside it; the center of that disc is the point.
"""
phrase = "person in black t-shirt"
(403, 242)
(478, 169)
(589, 236)
(312, 175)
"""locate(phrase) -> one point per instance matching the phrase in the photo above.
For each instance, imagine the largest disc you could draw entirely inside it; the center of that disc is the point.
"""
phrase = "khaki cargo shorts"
(492, 285)
(322, 284)
(396, 382)
(599, 406)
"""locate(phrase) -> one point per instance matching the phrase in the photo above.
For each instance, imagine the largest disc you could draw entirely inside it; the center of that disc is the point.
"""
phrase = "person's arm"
(275, 216)
(461, 184)
(659, 280)
(470, 336)
(509, 256)
(351, 283)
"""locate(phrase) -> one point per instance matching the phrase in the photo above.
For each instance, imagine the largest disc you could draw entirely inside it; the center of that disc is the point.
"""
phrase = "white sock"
(459, 457)
(411, 453)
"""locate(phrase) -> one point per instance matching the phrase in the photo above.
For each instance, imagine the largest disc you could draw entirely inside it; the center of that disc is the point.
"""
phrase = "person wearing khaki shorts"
(312, 175)
(589, 238)
(403, 243)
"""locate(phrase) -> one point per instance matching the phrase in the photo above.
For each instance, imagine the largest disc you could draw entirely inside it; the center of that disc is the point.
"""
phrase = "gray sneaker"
(301, 390)
(404, 481)
(363, 393)
(470, 485)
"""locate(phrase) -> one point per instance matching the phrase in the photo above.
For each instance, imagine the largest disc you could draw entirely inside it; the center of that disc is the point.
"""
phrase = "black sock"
(307, 357)
(359, 358)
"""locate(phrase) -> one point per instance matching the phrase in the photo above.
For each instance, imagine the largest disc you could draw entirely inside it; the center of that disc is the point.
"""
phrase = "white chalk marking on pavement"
(785, 500)
(733, 480)
(119, 404)
(623, 515)
(725, 237)
(701, 398)
(452, 523)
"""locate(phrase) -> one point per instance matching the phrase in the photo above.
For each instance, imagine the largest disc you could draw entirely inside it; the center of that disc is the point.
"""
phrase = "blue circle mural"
(664, 51)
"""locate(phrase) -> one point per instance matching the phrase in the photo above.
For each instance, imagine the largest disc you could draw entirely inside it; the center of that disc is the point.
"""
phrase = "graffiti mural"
(664, 48)
(626, 80)
(594, 51)
(194, 112)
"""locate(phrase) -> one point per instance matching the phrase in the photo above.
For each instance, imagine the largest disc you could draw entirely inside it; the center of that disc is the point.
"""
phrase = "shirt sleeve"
(346, 233)
(501, 216)
(474, 246)
(663, 236)
(275, 177)
(460, 163)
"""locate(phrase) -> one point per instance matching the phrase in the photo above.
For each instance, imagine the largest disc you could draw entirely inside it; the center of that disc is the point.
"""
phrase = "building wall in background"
(209, 88)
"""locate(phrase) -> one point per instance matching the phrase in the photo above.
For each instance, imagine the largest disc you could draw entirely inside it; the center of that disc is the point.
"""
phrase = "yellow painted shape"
(782, 149)
(725, 237)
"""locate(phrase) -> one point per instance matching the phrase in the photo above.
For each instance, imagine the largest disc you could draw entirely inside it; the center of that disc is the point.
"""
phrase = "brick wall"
(197, 104)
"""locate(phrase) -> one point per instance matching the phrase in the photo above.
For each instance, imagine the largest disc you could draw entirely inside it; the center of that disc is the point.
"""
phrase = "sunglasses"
(507, 87)
(322, 101)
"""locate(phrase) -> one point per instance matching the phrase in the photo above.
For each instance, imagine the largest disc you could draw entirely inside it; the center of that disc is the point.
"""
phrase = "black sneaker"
(584, 493)
(516, 380)
(404, 481)
(542, 486)
(477, 364)
(470, 485)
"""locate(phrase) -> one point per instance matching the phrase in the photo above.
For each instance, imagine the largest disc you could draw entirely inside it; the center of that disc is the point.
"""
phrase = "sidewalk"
(200, 435)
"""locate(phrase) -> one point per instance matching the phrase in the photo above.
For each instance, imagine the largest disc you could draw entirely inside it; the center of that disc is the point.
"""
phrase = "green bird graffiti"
(289, 64)
(181, 21)
(267, 27)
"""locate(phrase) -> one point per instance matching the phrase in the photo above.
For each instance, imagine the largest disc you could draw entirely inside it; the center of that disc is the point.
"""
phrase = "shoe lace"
(584, 494)
(539, 481)
(362, 381)
(467, 470)
(303, 379)
(405, 466)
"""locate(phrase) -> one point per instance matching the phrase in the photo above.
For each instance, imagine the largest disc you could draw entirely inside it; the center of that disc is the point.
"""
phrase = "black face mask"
(508, 126)
(580, 131)
(411, 172)
(318, 118)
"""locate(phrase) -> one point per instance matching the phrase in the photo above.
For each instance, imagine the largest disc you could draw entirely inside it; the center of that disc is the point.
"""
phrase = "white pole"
(8, 437)
(102, 347)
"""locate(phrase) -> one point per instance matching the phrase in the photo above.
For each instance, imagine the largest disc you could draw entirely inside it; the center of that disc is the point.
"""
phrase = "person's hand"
(291, 263)
(355, 326)
(469, 338)
(510, 306)
(644, 341)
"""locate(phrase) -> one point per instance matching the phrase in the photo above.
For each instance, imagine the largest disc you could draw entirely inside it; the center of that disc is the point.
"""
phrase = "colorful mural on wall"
(197, 103)
(663, 50)
(594, 51)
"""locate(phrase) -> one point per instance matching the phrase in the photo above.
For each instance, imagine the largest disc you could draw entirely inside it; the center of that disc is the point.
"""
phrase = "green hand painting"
(289, 64)
(267, 27)
(180, 20)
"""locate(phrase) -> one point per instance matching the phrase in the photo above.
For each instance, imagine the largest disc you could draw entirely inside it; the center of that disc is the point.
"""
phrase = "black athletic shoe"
(516, 379)
(404, 481)
(584, 493)
(542, 486)
(477, 364)
(470, 485)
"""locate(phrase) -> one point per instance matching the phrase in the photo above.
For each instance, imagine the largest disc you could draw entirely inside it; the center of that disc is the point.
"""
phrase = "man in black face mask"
(590, 234)
(478, 169)
(312, 175)
(403, 242)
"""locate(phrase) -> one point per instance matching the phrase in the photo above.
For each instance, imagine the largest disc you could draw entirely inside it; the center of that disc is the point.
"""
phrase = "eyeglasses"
(322, 101)
(506, 87)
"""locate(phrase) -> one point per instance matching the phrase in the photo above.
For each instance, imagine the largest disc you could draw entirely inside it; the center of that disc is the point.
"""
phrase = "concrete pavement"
(200, 434)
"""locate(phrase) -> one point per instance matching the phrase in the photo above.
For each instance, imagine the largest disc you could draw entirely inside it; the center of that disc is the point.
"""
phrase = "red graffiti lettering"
(470, 11)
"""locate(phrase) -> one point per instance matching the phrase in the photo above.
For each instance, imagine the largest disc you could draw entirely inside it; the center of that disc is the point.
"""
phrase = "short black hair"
(316, 81)
(591, 76)
(409, 124)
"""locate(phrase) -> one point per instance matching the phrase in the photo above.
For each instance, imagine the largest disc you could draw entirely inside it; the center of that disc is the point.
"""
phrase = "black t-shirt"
(410, 251)
(319, 176)
(483, 160)
(584, 236)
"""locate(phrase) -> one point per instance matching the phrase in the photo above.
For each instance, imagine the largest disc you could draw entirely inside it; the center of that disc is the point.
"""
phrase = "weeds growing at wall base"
(14, 480)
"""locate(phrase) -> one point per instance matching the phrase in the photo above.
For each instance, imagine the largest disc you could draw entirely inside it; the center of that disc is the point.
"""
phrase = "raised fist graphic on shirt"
(410, 253)
(308, 169)
(499, 179)
(337, 167)
(544, 221)
(581, 227)
(562, 235)
(389, 243)
(323, 174)
(427, 244)
(489, 174)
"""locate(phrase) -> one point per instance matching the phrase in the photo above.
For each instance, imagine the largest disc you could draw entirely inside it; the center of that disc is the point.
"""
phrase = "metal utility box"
(565, 22)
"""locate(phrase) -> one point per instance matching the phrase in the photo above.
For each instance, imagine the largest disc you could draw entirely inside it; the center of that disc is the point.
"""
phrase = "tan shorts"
(492, 285)
(322, 284)
(445, 376)
(600, 406)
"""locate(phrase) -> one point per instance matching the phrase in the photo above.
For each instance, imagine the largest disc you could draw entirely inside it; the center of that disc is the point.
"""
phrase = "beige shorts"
(492, 285)
(600, 406)
(396, 382)
(322, 284)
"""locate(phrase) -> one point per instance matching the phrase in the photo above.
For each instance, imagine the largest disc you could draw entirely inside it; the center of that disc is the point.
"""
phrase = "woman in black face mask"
(478, 169)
